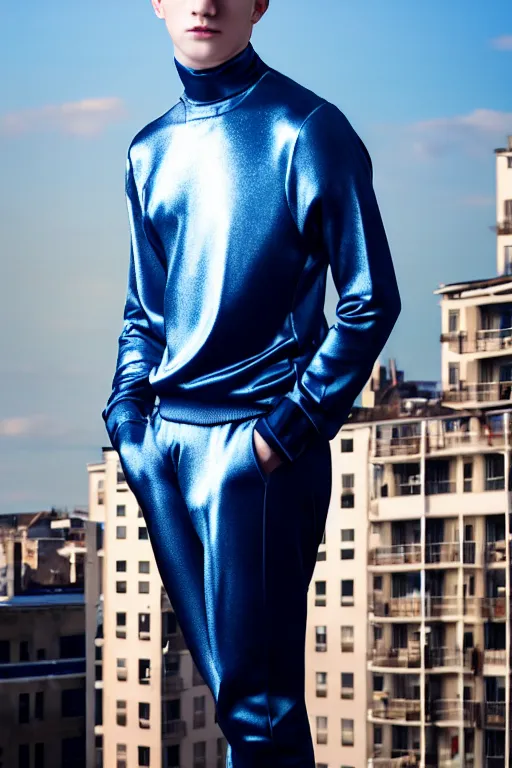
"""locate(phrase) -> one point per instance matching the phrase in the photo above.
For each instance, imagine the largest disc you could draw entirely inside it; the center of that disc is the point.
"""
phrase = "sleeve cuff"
(287, 429)
(126, 410)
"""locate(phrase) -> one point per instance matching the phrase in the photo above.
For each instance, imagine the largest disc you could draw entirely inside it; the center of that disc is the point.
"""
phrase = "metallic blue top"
(239, 198)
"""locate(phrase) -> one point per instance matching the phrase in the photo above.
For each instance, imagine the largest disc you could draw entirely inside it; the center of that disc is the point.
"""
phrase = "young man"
(239, 198)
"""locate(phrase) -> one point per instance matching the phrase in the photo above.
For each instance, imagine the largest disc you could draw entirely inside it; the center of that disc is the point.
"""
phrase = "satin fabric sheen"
(239, 198)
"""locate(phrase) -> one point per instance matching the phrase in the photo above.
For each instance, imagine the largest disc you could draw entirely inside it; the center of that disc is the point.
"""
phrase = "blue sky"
(426, 85)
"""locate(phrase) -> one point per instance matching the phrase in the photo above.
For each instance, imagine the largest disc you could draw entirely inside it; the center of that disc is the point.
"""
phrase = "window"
(347, 733)
(199, 754)
(121, 717)
(121, 510)
(143, 566)
(321, 730)
(347, 554)
(377, 583)
(347, 444)
(144, 714)
(144, 671)
(347, 592)
(39, 755)
(320, 638)
(468, 476)
(39, 706)
(122, 672)
(378, 682)
(347, 685)
(144, 753)
(140, 513)
(320, 593)
(121, 566)
(199, 717)
(453, 320)
(143, 587)
(321, 684)
(144, 626)
(377, 735)
(453, 375)
(121, 587)
(121, 625)
(121, 532)
(24, 756)
(507, 255)
(143, 532)
(23, 708)
(5, 652)
(347, 639)
(347, 482)
(347, 534)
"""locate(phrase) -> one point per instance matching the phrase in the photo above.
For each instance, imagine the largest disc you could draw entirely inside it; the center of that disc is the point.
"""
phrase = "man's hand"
(130, 438)
(268, 458)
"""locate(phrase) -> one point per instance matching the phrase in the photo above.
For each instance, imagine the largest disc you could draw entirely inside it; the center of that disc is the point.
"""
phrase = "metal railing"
(396, 554)
(454, 710)
(488, 391)
(397, 606)
(397, 709)
(395, 657)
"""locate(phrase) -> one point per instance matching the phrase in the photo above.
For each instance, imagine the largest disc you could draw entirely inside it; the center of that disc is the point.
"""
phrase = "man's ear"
(157, 7)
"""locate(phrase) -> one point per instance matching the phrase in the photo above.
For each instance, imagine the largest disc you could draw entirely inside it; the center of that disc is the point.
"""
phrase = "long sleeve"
(330, 194)
(141, 343)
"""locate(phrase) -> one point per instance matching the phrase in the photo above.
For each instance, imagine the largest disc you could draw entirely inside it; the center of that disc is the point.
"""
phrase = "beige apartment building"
(42, 640)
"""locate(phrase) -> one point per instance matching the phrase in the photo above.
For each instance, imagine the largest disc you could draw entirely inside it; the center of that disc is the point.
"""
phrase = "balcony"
(442, 552)
(174, 730)
(396, 658)
(455, 711)
(479, 392)
(495, 657)
(484, 340)
(400, 758)
(398, 446)
(448, 656)
(496, 552)
(397, 554)
(407, 710)
(495, 712)
(172, 684)
(440, 606)
(399, 607)
(494, 608)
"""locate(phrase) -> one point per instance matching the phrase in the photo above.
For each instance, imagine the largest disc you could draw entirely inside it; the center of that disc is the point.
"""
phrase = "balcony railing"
(442, 552)
(453, 710)
(174, 729)
(489, 391)
(494, 608)
(400, 758)
(496, 657)
(397, 709)
(438, 606)
(396, 657)
(398, 446)
(495, 712)
(448, 656)
(397, 554)
(504, 227)
(397, 606)
(496, 551)
(434, 487)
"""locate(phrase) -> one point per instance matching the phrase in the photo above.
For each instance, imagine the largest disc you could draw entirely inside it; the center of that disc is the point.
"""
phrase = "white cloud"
(28, 426)
(475, 133)
(88, 118)
(502, 43)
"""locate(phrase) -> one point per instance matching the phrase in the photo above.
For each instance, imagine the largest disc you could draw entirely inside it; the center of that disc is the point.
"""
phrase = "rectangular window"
(24, 708)
(122, 671)
(144, 753)
(347, 554)
(347, 481)
(121, 566)
(143, 532)
(321, 638)
(121, 510)
(347, 685)
(121, 625)
(144, 714)
(121, 532)
(24, 756)
(453, 375)
(39, 755)
(347, 445)
(143, 587)
(453, 320)
(143, 566)
(347, 592)
(199, 716)
(347, 733)
(320, 593)
(144, 671)
(39, 706)
(121, 716)
(347, 534)
(121, 587)
(347, 639)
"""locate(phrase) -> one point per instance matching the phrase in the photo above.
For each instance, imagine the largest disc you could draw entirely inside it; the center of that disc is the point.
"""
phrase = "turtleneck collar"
(223, 81)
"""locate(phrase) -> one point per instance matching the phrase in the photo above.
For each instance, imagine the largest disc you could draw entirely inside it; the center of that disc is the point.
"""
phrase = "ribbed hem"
(198, 412)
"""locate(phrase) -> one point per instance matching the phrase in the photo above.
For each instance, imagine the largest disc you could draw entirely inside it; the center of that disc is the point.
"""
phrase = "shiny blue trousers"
(236, 549)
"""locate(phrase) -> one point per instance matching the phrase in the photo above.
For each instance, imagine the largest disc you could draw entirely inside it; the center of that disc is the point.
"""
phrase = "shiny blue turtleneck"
(239, 199)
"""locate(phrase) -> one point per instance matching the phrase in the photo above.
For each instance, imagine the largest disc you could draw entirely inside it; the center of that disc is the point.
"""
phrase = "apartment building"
(42, 640)
(147, 704)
